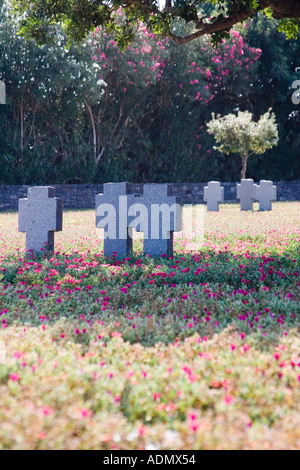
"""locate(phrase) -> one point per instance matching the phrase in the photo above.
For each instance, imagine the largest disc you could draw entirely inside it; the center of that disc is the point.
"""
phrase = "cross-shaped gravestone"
(160, 214)
(112, 215)
(266, 193)
(213, 195)
(2, 92)
(246, 193)
(40, 215)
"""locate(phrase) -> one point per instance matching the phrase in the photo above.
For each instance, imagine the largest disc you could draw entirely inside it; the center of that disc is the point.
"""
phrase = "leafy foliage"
(79, 17)
(140, 114)
(240, 134)
(43, 123)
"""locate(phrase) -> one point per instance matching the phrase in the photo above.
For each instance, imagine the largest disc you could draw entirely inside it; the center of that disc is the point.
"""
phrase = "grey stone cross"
(246, 193)
(266, 193)
(160, 214)
(213, 195)
(112, 215)
(40, 215)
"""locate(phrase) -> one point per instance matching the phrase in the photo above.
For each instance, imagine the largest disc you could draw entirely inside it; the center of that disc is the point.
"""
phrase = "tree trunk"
(285, 8)
(280, 9)
(21, 125)
(244, 166)
(94, 133)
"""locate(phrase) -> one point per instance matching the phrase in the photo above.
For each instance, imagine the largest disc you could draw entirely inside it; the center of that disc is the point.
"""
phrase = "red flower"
(14, 377)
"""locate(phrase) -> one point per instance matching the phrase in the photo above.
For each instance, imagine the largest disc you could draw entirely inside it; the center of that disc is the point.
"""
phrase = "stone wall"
(82, 196)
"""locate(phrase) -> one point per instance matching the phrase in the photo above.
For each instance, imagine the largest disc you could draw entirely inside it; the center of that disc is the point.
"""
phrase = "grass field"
(199, 351)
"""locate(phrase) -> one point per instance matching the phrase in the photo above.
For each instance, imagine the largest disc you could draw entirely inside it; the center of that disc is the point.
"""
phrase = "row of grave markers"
(247, 193)
(157, 213)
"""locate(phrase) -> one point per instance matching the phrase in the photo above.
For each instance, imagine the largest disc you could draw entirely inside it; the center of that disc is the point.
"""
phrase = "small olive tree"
(240, 134)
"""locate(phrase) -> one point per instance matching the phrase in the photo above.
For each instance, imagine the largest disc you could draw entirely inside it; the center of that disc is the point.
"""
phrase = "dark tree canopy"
(209, 17)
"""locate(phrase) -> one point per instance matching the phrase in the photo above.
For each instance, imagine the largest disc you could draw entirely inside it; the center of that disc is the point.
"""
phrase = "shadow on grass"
(154, 300)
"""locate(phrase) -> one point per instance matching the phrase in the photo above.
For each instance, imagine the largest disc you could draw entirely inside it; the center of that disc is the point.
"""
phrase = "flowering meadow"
(197, 351)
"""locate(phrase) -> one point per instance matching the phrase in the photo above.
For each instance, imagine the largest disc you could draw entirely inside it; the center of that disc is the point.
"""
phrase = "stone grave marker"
(213, 195)
(266, 193)
(160, 214)
(112, 215)
(40, 215)
(246, 193)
